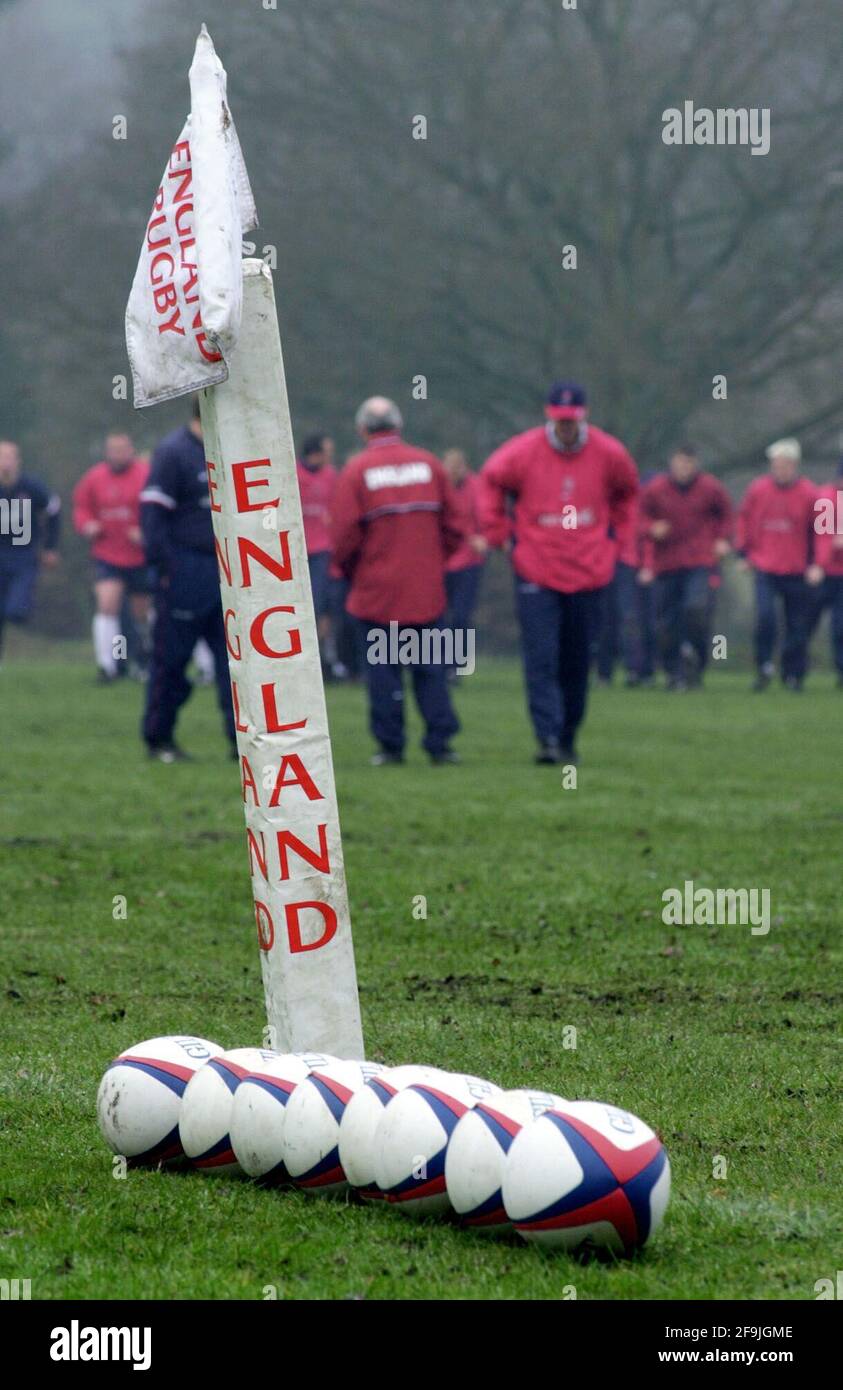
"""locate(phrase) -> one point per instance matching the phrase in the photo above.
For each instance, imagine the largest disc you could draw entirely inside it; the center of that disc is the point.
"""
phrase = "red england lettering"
(235, 655)
(259, 642)
(249, 781)
(243, 485)
(270, 712)
(235, 700)
(212, 489)
(156, 260)
(301, 778)
(248, 550)
(319, 858)
(265, 925)
(257, 852)
(165, 298)
(292, 911)
(186, 177)
(223, 563)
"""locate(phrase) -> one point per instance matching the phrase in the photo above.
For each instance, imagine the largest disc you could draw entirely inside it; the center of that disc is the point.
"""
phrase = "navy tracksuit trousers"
(185, 610)
(683, 614)
(796, 602)
(557, 631)
(18, 575)
(385, 681)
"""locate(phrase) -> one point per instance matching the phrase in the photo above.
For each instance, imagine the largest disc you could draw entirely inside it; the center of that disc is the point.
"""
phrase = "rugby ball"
(477, 1151)
(412, 1139)
(586, 1173)
(140, 1095)
(259, 1108)
(312, 1124)
(205, 1118)
(360, 1121)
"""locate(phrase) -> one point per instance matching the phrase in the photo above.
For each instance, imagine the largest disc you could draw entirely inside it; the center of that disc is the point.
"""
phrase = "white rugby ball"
(412, 1138)
(312, 1124)
(206, 1107)
(587, 1173)
(259, 1108)
(475, 1158)
(139, 1097)
(360, 1121)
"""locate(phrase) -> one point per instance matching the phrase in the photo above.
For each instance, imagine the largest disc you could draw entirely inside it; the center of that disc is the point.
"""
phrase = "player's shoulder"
(407, 452)
(520, 445)
(609, 443)
(31, 486)
(428, 456)
(172, 444)
(355, 463)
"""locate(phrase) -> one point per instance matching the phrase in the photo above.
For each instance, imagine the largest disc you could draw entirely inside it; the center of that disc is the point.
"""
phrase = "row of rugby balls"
(424, 1140)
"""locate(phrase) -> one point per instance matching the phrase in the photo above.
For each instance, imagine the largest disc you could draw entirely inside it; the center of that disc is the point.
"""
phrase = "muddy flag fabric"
(184, 310)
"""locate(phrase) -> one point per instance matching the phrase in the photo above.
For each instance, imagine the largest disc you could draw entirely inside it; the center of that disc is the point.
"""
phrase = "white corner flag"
(184, 310)
(283, 741)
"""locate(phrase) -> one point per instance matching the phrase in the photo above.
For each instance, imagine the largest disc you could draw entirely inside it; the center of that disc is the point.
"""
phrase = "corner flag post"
(286, 769)
(201, 319)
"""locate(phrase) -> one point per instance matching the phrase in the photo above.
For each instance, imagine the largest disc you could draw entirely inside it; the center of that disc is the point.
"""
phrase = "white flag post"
(292, 822)
(200, 318)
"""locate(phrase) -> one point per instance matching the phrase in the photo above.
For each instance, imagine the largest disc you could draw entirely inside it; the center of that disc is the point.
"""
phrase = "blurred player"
(465, 567)
(106, 511)
(30, 521)
(574, 488)
(828, 553)
(317, 483)
(686, 526)
(775, 539)
(395, 522)
(179, 539)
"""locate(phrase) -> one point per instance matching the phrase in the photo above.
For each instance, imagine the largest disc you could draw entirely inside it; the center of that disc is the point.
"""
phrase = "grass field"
(544, 912)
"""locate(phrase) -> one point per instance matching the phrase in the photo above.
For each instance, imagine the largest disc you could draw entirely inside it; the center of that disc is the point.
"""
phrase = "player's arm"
(47, 508)
(497, 480)
(624, 491)
(825, 542)
(85, 519)
(346, 524)
(744, 526)
(158, 502)
(723, 517)
(654, 524)
(452, 522)
(814, 572)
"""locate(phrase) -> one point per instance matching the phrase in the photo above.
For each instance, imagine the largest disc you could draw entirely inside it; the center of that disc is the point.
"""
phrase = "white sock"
(204, 659)
(106, 629)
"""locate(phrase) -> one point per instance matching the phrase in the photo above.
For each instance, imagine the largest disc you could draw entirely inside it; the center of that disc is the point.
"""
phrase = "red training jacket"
(776, 525)
(565, 504)
(467, 495)
(828, 545)
(699, 515)
(630, 545)
(316, 488)
(394, 522)
(112, 499)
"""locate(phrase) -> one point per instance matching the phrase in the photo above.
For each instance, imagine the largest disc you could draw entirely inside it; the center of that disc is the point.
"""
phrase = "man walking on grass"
(572, 489)
(395, 521)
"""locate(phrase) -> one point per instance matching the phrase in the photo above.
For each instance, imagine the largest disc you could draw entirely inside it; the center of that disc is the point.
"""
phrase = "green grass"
(544, 913)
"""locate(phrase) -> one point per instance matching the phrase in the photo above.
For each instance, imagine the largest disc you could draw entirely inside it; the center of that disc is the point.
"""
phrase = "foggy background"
(444, 257)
